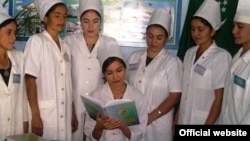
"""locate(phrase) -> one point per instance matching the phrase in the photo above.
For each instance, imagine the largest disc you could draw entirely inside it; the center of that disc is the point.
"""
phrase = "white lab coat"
(200, 80)
(162, 76)
(52, 69)
(236, 101)
(86, 70)
(13, 100)
(104, 94)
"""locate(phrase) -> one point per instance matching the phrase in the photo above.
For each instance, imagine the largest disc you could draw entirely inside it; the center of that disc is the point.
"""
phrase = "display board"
(125, 20)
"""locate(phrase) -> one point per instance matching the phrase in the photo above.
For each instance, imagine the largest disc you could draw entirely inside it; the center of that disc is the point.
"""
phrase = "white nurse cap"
(210, 11)
(43, 6)
(243, 12)
(4, 15)
(161, 17)
(85, 5)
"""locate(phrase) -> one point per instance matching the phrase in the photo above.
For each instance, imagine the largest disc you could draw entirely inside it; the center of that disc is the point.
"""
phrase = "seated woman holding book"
(115, 88)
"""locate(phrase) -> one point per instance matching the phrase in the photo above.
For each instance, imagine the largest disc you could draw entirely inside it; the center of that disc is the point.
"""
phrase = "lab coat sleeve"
(138, 131)
(89, 127)
(32, 55)
(220, 70)
(175, 72)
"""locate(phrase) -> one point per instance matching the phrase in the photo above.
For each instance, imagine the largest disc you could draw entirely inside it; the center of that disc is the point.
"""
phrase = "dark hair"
(204, 21)
(157, 25)
(52, 8)
(110, 60)
(91, 10)
(6, 22)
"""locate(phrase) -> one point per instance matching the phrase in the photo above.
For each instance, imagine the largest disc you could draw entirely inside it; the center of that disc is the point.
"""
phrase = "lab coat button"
(62, 89)
(139, 81)
(89, 68)
(62, 102)
(90, 57)
(61, 74)
(8, 119)
(61, 61)
(61, 116)
(113, 133)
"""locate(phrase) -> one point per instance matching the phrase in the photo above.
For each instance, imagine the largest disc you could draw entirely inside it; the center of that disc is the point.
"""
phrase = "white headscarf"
(243, 12)
(43, 6)
(4, 15)
(85, 5)
(210, 11)
(162, 17)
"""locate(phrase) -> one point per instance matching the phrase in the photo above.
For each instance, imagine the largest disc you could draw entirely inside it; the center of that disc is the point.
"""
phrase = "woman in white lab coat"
(13, 100)
(235, 107)
(158, 75)
(48, 75)
(205, 67)
(114, 70)
(87, 48)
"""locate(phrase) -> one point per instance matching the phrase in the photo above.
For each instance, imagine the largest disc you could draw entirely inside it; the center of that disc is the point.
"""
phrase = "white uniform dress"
(162, 76)
(13, 104)
(86, 70)
(104, 94)
(200, 80)
(52, 69)
(236, 101)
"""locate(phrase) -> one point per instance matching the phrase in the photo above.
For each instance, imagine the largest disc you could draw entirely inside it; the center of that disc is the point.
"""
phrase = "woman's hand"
(107, 123)
(37, 125)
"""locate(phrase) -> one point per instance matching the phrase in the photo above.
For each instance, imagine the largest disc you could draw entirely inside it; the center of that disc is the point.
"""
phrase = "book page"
(92, 106)
(124, 111)
(117, 101)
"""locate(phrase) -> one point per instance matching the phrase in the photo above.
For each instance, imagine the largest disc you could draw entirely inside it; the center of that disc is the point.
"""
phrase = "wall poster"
(125, 20)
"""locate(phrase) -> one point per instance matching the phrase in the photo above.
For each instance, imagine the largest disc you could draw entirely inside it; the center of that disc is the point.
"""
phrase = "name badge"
(134, 66)
(16, 78)
(240, 81)
(66, 57)
(200, 69)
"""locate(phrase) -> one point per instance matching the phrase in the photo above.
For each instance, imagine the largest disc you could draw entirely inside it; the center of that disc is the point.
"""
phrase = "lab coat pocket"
(48, 112)
(199, 117)
(204, 81)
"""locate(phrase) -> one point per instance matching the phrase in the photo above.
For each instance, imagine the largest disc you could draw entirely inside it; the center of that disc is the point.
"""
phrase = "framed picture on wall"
(124, 20)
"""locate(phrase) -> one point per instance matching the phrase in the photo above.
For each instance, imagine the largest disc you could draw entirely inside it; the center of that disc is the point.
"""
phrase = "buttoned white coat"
(104, 94)
(87, 70)
(13, 100)
(200, 80)
(52, 68)
(162, 76)
(236, 101)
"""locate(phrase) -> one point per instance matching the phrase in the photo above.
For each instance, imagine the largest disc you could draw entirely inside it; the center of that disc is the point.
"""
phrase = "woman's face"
(156, 38)
(241, 33)
(90, 23)
(201, 33)
(57, 19)
(115, 74)
(8, 36)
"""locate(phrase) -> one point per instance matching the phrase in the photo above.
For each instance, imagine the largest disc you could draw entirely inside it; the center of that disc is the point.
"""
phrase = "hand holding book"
(123, 110)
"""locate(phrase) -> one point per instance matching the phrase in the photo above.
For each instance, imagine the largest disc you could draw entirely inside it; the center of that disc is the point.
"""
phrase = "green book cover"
(25, 137)
(121, 109)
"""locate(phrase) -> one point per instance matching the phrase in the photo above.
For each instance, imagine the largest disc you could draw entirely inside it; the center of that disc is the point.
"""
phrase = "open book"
(25, 137)
(120, 109)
